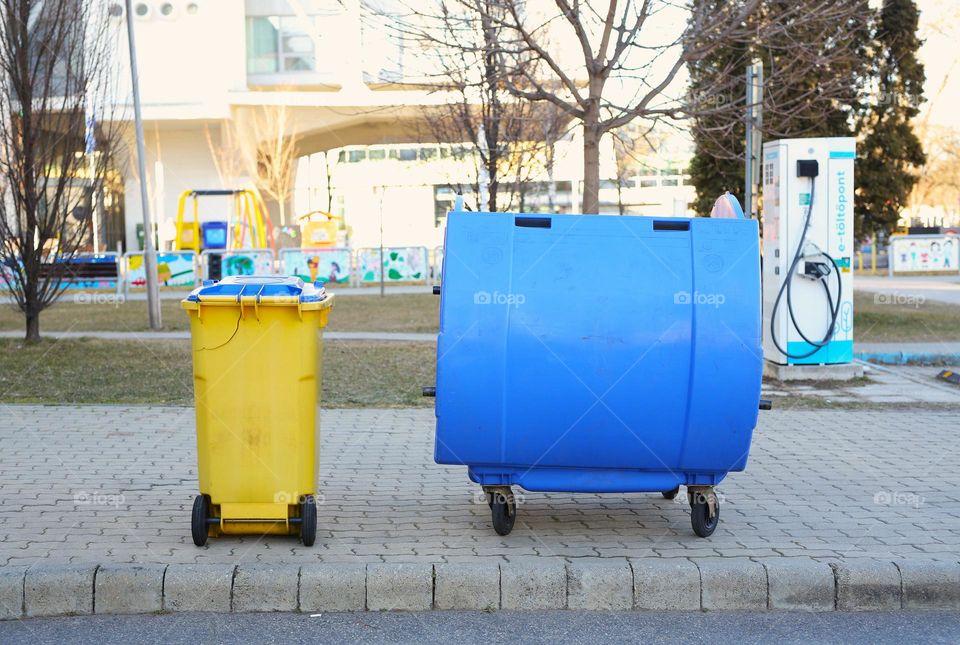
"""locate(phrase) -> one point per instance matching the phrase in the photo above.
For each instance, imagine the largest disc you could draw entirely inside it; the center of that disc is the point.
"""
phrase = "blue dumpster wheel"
(670, 494)
(703, 524)
(503, 508)
(308, 521)
(198, 522)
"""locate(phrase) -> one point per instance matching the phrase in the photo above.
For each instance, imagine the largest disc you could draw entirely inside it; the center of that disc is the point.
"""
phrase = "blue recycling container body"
(590, 353)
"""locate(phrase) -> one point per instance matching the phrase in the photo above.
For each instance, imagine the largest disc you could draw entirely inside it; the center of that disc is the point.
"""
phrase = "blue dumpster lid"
(264, 286)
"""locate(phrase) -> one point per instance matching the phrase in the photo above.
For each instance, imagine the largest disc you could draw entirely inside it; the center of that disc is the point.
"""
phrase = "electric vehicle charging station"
(808, 249)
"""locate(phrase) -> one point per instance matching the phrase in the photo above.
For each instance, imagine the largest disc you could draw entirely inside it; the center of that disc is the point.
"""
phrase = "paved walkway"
(407, 337)
(180, 294)
(912, 289)
(390, 290)
(115, 484)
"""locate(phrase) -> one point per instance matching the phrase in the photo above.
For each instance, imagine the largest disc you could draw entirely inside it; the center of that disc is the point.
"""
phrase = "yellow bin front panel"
(257, 375)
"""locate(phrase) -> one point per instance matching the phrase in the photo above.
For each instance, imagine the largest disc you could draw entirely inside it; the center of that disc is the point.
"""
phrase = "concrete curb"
(908, 358)
(589, 583)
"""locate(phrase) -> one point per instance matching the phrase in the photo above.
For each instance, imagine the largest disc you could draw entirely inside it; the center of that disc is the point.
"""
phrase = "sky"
(940, 54)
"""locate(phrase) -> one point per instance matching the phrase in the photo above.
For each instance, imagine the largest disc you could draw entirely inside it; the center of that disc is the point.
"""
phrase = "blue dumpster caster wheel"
(503, 508)
(198, 522)
(308, 521)
(670, 494)
(703, 524)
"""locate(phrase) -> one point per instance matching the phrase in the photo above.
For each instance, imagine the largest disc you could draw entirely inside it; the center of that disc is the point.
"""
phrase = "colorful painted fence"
(85, 271)
(174, 269)
(924, 254)
(238, 262)
(437, 266)
(329, 266)
(400, 264)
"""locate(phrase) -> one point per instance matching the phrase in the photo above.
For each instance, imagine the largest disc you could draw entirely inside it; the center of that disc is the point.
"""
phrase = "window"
(407, 154)
(648, 183)
(444, 199)
(279, 44)
(427, 154)
(376, 155)
(357, 155)
(670, 182)
(342, 157)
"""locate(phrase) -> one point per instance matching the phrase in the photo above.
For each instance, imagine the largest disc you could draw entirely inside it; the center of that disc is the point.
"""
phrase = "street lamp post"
(149, 251)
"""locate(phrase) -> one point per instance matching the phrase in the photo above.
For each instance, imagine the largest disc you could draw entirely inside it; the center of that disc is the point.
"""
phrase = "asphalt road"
(500, 627)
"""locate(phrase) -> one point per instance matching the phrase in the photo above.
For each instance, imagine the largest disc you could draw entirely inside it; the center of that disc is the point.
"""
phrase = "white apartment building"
(207, 65)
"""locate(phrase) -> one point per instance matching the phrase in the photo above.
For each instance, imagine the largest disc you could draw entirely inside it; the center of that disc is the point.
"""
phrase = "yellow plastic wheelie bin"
(257, 358)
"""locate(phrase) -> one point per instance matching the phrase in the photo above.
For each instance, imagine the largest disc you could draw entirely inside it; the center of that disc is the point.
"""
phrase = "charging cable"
(817, 271)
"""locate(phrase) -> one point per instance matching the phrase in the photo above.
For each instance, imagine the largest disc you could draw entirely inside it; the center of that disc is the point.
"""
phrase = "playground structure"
(248, 226)
(316, 233)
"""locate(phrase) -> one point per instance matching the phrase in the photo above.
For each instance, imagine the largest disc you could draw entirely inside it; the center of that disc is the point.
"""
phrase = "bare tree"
(58, 140)
(260, 143)
(632, 56)
(458, 44)
(938, 182)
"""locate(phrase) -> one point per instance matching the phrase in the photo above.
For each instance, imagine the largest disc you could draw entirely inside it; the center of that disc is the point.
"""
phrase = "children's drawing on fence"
(437, 269)
(250, 263)
(925, 254)
(173, 270)
(400, 264)
(328, 266)
(238, 265)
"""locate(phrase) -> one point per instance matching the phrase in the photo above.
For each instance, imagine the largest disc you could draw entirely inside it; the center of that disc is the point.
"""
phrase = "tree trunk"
(591, 160)
(326, 165)
(33, 327)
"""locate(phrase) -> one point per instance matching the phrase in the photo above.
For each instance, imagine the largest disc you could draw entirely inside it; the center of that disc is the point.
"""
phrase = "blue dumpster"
(214, 234)
(589, 353)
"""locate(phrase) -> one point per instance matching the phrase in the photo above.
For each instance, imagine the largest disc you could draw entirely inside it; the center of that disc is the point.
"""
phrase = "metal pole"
(382, 277)
(757, 139)
(748, 144)
(149, 251)
(754, 138)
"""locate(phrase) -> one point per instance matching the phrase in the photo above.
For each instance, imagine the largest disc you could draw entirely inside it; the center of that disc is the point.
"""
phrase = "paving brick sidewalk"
(102, 484)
